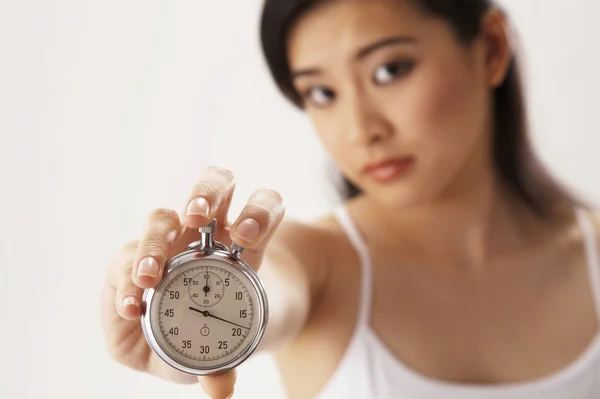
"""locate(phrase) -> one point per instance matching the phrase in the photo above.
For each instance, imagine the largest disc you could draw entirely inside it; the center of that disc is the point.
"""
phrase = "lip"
(388, 170)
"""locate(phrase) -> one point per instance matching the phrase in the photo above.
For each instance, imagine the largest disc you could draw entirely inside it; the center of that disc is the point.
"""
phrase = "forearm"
(287, 285)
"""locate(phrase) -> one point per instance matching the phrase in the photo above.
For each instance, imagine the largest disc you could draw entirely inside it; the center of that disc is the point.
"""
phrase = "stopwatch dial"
(206, 288)
(206, 332)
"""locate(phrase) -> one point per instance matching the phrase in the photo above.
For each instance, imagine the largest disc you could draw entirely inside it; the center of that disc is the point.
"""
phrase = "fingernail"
(131, 300)
(148, 267)
(248, 229)
(197, 207)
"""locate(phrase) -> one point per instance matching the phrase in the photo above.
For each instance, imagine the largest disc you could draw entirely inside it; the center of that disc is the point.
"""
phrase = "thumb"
(219, 386)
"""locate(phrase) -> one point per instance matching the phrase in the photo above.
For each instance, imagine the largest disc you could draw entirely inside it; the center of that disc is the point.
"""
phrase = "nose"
(366, 124)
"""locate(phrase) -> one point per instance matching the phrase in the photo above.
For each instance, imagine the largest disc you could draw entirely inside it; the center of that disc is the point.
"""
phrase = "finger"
(223, 225)
(128, 296)
(210, 198)
(257, 223)
(117, 319)
(162, 230)
(220, 386)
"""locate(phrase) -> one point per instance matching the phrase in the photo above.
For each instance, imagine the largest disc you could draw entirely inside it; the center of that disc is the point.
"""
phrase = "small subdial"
(205, 330)
(206, 289)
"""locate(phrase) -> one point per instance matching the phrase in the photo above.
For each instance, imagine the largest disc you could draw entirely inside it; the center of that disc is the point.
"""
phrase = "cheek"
(438, 115)
(329, 129)
(323, 128)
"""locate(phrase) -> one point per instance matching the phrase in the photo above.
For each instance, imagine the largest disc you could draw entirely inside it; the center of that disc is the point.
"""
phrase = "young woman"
(456, 268)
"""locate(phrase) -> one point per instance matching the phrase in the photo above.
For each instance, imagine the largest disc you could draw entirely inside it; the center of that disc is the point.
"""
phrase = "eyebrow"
(362, 53)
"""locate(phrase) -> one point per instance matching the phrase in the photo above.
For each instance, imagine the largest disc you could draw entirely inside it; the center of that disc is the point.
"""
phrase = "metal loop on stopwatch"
(207, 241)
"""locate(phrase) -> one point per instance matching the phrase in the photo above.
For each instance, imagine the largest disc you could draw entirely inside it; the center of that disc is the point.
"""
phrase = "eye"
(319, 96)
(389, 72)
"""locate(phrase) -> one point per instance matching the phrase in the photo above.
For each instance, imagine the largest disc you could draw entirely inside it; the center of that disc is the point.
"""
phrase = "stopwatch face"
(206, 316)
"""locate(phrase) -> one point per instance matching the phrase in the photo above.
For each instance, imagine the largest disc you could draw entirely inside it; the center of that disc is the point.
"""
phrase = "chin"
(397, 198)
(407, 194)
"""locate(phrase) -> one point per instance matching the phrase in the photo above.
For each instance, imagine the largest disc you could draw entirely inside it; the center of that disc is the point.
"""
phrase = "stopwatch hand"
(207, 314)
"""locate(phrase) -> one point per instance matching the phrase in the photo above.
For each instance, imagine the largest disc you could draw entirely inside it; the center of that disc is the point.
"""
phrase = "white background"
(109, 109)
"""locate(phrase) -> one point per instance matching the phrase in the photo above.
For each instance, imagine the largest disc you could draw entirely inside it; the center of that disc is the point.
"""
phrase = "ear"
(498, 50)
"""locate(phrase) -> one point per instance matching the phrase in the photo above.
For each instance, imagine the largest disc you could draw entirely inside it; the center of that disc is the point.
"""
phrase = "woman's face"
(399, 103)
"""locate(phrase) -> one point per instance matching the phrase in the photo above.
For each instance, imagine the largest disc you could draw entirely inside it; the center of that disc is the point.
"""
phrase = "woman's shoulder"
(315, 247)
(322, 232)
(582, 222)
(320, 241)
(594, 217)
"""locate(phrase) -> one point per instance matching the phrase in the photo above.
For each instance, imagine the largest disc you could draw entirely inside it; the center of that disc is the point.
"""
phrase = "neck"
(467, 227)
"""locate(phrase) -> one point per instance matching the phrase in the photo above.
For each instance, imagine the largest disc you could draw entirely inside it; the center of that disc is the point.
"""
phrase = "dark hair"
(514, 158)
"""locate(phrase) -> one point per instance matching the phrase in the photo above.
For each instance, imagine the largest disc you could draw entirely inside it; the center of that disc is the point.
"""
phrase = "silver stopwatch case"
(204, 255)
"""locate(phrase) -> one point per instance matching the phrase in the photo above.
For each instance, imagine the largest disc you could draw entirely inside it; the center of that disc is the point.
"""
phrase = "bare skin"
(459, 264)
(450, 322)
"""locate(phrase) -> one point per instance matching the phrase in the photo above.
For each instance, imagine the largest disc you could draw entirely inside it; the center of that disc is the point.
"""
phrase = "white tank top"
(369, 370)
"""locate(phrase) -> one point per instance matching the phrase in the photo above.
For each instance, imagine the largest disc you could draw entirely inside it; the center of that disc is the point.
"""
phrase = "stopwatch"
(209, 312)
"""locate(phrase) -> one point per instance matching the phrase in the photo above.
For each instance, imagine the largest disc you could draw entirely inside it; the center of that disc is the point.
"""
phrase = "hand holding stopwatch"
(209, 312)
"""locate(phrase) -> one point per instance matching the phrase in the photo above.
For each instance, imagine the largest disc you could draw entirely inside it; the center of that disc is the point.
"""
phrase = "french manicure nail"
(248, 229)
(131, 300)
(148, 267)
(198, 207)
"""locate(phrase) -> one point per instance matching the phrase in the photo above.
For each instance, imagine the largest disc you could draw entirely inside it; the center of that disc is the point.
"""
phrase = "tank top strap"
(345, 220)
(591, 253)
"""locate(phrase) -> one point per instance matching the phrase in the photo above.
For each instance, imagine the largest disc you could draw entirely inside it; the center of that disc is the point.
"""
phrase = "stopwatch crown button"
(236, 250)
(209, 228)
